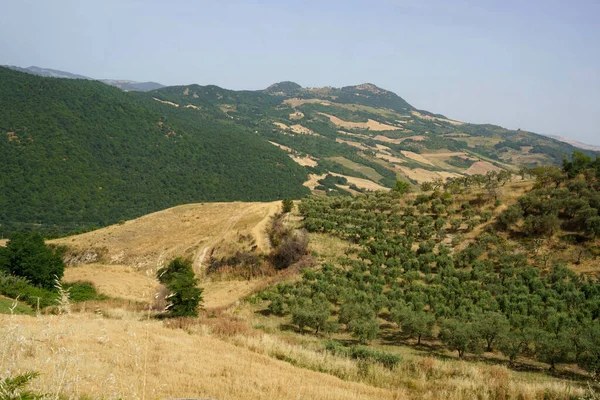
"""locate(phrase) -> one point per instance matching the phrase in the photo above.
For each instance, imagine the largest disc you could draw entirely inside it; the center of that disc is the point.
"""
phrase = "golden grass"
(352, 143)
(362, 183)
(87, 355)
(305, 161)
(120, 281)
(190, 230)
(423, 175)
(222, 294)
(416, 157)
(371, 125)
(481, 168)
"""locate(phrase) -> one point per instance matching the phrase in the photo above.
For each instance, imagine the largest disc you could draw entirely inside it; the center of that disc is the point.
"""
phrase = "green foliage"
(26, 255)
(460, 336)
(402, 187)
(287, 205)
(388, 360)
(185, 296)
(19, 288)
(8, 306)
(561, 200)
(416, 324)
(82, 291)
(484, 297)
(15, 388)
(77, 153)
(311, 313)
(489, 326)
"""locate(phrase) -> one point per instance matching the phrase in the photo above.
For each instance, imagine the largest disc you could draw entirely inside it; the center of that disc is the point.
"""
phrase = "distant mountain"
(52, 73)
(133, 85)
(121, 84)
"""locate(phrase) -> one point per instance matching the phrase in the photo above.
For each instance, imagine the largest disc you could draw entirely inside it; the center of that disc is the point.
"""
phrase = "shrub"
(18, 287)
(362, 353)
(180, 280)
(291, 250)
(287, 205)
(83, 291)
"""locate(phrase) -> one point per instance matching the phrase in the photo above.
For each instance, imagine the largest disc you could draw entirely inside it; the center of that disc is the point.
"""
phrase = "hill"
(78, 153)
(366, 132)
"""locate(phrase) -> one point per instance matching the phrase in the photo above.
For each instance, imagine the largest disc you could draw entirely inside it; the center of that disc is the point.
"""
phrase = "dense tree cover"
(27, 256)
(485, 297)
(565, 199)
(76, 154)
(184, 294)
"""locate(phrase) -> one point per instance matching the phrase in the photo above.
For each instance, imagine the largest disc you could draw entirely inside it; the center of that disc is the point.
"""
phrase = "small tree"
(313, 313)
(414, 323)
(287, 205)
(364, 328)
(512, 344)
(489, 326)
(592, 226)
(181, 282)
(29, 257)
(460, 336)
(552, 349)
(402, 187)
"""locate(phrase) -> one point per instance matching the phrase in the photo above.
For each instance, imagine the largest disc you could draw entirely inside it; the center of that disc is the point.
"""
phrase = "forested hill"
(368, 134)
(78, 153)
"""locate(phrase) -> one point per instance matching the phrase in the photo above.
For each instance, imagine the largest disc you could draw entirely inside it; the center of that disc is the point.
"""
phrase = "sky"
(533, 65)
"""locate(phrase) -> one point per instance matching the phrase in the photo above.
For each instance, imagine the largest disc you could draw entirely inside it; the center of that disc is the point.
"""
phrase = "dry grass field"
(370, 124)
(90, 356)
(190, 230)
(127, 355)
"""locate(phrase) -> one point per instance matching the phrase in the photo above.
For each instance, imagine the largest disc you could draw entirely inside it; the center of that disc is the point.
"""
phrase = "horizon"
(527, 66)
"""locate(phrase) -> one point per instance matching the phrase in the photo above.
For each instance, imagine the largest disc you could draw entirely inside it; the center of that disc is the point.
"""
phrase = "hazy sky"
(528, 64)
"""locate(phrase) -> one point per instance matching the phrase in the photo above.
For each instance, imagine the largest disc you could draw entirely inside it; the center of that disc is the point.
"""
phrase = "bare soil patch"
(416, 157)
(362, 183)
(370, 124)
(166, 102)
(422, 175)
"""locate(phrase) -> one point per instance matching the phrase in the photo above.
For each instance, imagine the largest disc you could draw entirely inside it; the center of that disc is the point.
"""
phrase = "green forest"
(77, 154)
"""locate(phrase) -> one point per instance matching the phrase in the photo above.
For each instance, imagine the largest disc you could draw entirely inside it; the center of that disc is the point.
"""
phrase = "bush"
(363, 353)
(18, 287)
(287, 205)
(291, 250)
(83, 291)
